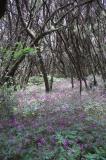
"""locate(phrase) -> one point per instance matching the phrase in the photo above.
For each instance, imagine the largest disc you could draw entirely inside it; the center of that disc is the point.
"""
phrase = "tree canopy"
(68, 36)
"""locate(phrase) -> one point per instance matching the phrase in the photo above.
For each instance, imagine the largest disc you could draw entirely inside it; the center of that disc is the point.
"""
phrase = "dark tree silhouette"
(3, 4)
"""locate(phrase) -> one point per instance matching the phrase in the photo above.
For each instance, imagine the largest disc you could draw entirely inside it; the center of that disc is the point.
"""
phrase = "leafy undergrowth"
(57, 126)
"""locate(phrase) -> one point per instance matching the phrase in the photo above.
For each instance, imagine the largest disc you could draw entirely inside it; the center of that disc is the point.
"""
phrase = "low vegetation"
(53, 126)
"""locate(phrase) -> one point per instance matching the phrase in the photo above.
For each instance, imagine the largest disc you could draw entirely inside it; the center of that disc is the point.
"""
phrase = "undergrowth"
(30, 133)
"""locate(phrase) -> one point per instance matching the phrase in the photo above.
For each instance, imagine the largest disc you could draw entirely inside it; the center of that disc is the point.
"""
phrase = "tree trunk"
(44, 73)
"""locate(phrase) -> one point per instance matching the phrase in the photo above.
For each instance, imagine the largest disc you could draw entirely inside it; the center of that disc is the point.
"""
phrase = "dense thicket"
(53, 37)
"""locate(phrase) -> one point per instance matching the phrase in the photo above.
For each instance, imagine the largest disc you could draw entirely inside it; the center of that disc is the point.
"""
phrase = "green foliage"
(7, 102)
(17, 51)
(99, 154)
(21, 50)
(36, 80)
(96, 110)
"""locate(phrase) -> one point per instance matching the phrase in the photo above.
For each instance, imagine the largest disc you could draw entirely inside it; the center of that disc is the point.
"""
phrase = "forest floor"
(60, 125)
(63, 100)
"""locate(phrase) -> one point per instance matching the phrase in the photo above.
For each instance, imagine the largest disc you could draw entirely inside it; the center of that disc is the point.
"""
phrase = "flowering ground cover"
(60, 125)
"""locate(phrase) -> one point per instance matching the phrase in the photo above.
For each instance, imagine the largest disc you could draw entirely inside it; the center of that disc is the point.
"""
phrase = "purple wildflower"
(13, 122)
(20, 126)
(92, 126)
(50, 129)
(62, 123)
(40, 141)
(82, 116)
(1, 126)
(53, 139)
(66, 143)
(81, 145)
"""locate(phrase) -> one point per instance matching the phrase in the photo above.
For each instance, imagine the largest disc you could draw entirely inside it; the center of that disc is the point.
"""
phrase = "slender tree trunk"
(52, 74)
(43, 70)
